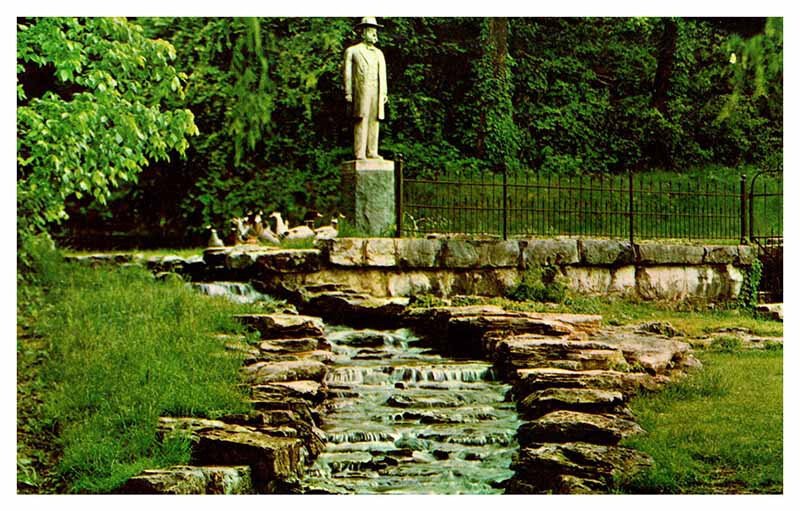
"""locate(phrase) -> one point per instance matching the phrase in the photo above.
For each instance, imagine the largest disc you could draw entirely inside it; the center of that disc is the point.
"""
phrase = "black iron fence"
(765, 200)
(632, 206)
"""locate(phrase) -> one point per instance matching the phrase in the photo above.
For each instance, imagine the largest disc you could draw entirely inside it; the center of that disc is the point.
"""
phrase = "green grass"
(121, 349)
(180, 252)
(718, 431)
(691, 320)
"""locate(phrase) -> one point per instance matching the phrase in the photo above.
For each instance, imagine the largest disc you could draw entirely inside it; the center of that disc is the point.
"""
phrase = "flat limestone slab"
(530, 380)
(542, 466)
(542, 402)
(283, 326)
(270, 458)
(564, 426)
(189, 480)
(290, 370)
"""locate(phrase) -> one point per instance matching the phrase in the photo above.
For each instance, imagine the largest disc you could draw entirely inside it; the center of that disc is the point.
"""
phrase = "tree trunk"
(496, 45)
(666, 61)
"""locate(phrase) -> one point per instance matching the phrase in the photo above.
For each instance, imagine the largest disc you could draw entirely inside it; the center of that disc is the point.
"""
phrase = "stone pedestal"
(368, 196)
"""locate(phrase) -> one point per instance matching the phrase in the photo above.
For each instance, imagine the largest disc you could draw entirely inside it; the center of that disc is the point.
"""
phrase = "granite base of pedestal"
(368, 196)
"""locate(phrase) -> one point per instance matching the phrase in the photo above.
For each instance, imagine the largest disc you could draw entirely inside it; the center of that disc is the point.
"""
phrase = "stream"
(404, 419)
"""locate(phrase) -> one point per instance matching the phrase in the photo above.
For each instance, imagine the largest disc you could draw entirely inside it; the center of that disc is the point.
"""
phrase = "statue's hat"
(368, 21)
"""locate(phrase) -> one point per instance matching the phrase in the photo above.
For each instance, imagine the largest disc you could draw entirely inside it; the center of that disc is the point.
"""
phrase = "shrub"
(540, 284)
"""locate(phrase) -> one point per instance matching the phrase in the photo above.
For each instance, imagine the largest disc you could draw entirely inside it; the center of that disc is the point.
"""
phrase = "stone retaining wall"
(394, 267)
(386, 267)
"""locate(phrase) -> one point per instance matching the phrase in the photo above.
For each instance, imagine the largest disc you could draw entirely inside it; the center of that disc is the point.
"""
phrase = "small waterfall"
(403, 419)
(240, 292)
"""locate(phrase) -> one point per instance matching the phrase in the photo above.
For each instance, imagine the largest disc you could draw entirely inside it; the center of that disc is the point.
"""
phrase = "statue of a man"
(365, 89)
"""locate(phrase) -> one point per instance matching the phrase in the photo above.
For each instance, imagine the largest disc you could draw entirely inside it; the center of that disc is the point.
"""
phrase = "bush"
(540, 285)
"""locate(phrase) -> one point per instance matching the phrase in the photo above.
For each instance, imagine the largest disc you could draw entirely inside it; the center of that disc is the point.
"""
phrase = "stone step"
(535, 351)
(283, 326)
(323, 356)
(655, 354)
(271, 459)
(268, 421)
(561, 484)
(191, 480)
(261, 373)
(564, 426)
(542, 402)
(294, 345)
(300, 407)
(358, 309)
(480, 324)
(532, 379)
(311, 391)
(567, 467)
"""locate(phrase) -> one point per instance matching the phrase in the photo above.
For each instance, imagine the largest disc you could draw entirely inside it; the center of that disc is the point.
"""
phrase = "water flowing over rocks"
(406, 420)
(570, 380)
(532, 403)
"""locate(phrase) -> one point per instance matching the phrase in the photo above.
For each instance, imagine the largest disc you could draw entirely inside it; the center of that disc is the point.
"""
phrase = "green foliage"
(552, 95)
(756, 69)
(425, 301)
(498, 138)
(540, 284)
(717, 431)
(99, 120)
(748, 295)
(262, 90)
(121, 351)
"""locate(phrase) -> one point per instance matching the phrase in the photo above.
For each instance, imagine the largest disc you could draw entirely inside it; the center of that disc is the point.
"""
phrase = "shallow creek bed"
(537, 405)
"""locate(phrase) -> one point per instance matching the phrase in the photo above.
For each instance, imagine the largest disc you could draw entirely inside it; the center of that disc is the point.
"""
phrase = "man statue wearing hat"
(365, 89)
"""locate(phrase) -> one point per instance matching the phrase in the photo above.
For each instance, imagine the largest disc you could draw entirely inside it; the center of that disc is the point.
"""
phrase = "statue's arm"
(347, 67)
(382, 78)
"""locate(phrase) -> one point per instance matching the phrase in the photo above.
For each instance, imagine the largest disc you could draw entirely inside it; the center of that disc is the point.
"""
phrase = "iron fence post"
(398, 196)
(505, 200)
(630, 206)
(743, 209)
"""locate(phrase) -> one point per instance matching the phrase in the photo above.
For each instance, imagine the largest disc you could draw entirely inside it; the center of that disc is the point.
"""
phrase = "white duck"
(300, 232)
(242, 230)
(281, 227)
(213, 240)
(327, 232)
(263, 231)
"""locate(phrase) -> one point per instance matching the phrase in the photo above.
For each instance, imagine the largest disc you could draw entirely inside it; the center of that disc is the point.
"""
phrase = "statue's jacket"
(357, 79)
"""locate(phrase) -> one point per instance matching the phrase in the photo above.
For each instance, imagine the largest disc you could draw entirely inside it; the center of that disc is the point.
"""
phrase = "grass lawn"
(718, 431)
(180, 252)
(102, 353)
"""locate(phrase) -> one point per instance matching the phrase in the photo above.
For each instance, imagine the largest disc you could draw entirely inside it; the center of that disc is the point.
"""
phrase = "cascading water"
(405, 420)
(239, 292)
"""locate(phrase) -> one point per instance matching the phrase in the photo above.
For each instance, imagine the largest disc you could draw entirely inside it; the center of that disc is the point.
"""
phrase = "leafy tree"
(91, 112)
(497, 137)
(756, 79)
(560, 95)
